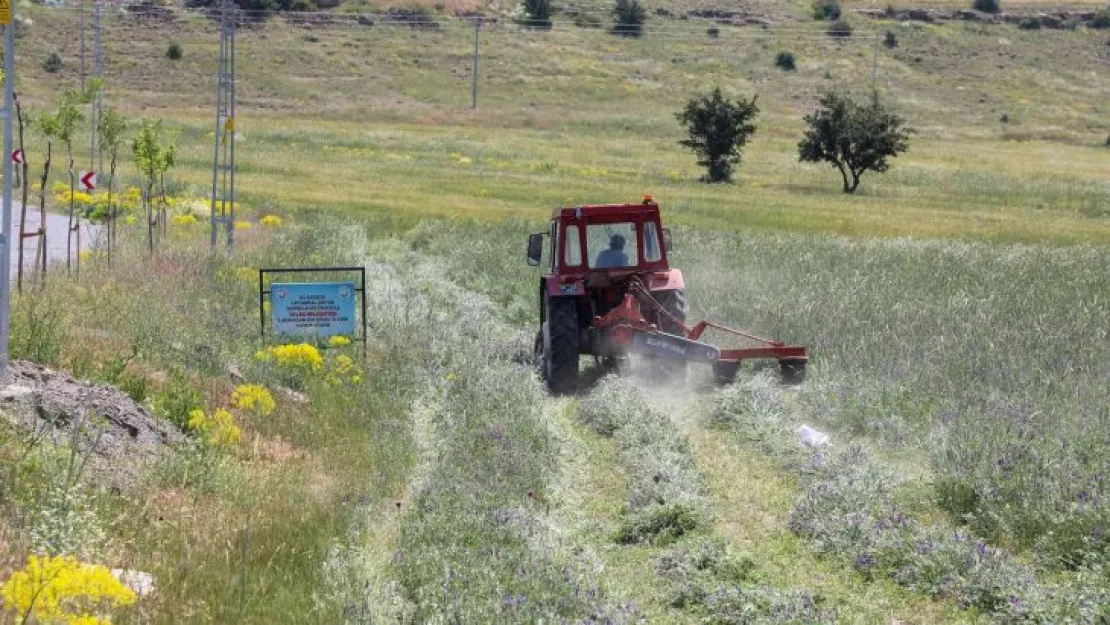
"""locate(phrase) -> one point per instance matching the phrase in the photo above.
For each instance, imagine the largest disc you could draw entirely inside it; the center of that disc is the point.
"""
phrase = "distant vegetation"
(630, 16)
(537, 13)
(840, 29)
(986, 6)
(826, 10)
(718, 129)
(784, 61)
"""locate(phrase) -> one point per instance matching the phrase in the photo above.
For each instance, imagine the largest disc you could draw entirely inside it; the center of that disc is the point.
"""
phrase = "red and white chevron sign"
(88, 180)
(17, 157)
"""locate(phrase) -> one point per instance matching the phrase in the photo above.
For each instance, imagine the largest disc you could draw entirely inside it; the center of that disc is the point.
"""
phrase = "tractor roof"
(605, 210)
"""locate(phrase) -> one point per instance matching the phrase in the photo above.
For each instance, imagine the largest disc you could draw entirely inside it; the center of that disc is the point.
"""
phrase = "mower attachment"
(625, 330)
(676, 347)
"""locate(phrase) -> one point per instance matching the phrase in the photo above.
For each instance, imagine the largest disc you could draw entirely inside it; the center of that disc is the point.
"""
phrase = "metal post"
(96, 164)
(93, 166)
(231, 129)
(6, 233)
(474, 78)
(81, 10)
(223, 158)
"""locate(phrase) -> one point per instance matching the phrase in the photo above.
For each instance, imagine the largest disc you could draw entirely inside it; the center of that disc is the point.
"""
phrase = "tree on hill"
(718, 129)
(853, 138)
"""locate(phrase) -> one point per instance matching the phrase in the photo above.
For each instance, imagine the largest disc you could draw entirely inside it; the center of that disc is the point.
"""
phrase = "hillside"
(954, 309)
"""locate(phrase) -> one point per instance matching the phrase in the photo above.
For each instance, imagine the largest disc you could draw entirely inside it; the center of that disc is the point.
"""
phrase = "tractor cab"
(609, 239)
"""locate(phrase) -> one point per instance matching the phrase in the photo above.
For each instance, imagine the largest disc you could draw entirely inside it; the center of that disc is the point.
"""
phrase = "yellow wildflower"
(270, 221)
(184, 220)
(254, 398)
(217, 429)
(61, 588)
(339, 341)
(299, 356)
(129, 220)
(241, 224)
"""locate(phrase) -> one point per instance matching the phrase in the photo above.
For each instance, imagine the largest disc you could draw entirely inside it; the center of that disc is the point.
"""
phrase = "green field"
(956, 310)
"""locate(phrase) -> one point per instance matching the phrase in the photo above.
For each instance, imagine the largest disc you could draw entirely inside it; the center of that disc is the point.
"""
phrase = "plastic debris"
(811, 437)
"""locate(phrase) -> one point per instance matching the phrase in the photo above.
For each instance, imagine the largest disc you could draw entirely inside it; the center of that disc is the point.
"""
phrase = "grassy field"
(955, 308)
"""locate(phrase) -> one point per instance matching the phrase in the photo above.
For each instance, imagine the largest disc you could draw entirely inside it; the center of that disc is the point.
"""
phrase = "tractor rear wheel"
(674, 303)
(559, 346)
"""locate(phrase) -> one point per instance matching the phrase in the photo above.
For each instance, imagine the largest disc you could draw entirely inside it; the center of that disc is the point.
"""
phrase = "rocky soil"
(119, 435)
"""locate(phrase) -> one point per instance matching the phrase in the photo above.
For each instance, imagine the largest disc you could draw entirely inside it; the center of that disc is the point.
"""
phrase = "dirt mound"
(119, 434)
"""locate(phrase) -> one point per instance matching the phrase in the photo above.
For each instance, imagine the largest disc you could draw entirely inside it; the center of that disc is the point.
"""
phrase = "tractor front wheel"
(558, 344)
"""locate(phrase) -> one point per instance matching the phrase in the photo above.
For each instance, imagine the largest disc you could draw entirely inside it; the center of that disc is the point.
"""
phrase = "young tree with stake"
(718, 129)
(67, 118)
(49, 127)
(111, 128)
(853, 138)
(26, 187)
(152, 159)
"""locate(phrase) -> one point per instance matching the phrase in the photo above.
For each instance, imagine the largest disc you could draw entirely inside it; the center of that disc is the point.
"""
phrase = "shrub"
(785, 61)
(302, 6)
(718, 129)
(173, 52)
(537, 13)
(826, 10)
(891, 40)
(630, 16)
(1101, 20)
(986, 6)
(177, 400)
(1030, 23)
(587, 20)
(53, 63)
(840, 29)
(713, 32)
(37, 328)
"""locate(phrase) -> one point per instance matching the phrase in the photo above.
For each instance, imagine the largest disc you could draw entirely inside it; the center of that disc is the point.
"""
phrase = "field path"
(752, 499)
(593, 488)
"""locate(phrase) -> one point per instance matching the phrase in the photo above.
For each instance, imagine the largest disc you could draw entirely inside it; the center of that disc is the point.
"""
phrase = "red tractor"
(609, 293)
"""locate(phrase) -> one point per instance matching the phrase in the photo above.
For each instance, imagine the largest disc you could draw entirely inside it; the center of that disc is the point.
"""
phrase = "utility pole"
(93, 164)
(81, 12)
(7, 15)
(875, 69)
(223, 159)
(474, 77)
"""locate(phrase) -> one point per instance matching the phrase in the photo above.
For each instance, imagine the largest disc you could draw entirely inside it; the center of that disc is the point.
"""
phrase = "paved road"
(55, 237)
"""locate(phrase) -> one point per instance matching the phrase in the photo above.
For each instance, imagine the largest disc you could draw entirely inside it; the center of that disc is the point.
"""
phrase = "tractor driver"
(614, 256)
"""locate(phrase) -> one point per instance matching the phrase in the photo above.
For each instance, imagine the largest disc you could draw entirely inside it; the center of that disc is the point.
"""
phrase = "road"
(55, 237)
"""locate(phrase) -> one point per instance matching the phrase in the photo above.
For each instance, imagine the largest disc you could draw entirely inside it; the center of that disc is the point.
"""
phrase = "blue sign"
(313, 309)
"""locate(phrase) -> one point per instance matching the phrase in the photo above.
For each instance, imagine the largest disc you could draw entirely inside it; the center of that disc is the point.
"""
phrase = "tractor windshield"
(611, 245)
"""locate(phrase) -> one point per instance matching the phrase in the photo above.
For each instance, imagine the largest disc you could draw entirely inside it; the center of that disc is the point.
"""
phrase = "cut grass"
(752, 499)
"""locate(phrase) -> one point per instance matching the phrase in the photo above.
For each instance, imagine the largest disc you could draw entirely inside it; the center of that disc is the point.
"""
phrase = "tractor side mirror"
(667, 239)
(535, 249)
